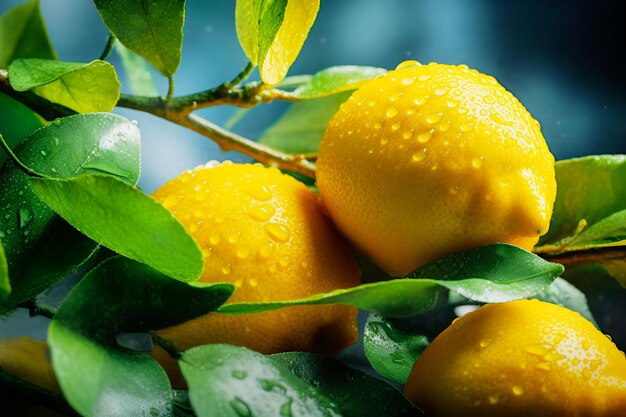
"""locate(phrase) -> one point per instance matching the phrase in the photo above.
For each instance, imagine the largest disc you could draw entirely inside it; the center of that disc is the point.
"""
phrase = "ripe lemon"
(522, 358)
(266, 233)
(432, 159)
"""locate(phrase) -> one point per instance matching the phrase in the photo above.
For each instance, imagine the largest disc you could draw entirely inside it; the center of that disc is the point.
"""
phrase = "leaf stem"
(170, 88)
(245, 73)
(19, 163)
(107, 48)
(166, 345)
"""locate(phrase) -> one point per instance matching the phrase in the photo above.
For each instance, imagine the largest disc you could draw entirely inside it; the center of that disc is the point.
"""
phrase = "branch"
(587, 256)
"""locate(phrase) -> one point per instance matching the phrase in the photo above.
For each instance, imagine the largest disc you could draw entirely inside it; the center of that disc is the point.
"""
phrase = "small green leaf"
(391, 351)
(96, 375)
(272, 33)
(23, 34)
(5, 284)
(152, 29)
(233, 381)
(355, 393)
(41, 248)
(124, 219)
(334, 80)
(491, 274)
(589, 206)
(138, 75)
(301, 128)
(565, 294)
(86, 88)
(16, 122)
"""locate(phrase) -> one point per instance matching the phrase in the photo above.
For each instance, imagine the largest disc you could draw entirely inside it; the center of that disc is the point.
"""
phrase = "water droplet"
(423, 77)
(433, 118)
(261, 193)
(253, 282)
(201, 196)
(239, 374)
(441, 91)
(408, 63)
(493, 399)
(407, 134)
(608, 336)
(419, 156)
(285, 409)
(425, 136)
(395, 126)
(154, 412)
(377, 125)
(465, 127)
(553, 356)
(25, 216)
(419, 100)
(226, 269)
(243, 252)
(371, 103)
(452, 103)
(477, 162)
(283, 262)
(234, 237)
(575, 361)
(172, 200)
(408, 81)
(207, 252)
(265, 251)
(391, 112)
(394, 98)
(215, 238)
(384, 140)
(240, 408)
(2, 234)
(43, 153)
(193, 228)
(499, 119)
(443, 126)
(489, 99)
(262, 213)
(586, 345)
(484, 343)
(277, 231)
(517, 390)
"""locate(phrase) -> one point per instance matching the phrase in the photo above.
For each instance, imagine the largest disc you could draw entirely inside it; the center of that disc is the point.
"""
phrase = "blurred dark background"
(563, 59)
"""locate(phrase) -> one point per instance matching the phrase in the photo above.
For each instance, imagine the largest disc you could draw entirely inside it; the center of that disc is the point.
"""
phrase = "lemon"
(522, 358)
(266, 233)
(432, 159)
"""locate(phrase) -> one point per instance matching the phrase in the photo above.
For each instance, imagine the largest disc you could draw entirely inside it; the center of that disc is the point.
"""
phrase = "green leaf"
(119, 296)
(23, 34)
(334, 80)
(590, 203)
(85, 88)
(5, 284)
(124, 219)
(566, 295)
(272, 33)
(138, 75)
(491, 274)
(16, 122)
(41, 248)
(152, 29)
(355, 393)
(233, 381)
(301, 128)
(390, 350)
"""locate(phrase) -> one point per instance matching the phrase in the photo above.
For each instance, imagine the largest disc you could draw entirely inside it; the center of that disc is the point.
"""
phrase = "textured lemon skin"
(265, 232)
(430, 160)
(522, 358)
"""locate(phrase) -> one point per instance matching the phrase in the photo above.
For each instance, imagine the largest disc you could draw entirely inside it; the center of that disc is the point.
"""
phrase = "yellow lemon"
(522, 358)
(432, 159)
(266, 233)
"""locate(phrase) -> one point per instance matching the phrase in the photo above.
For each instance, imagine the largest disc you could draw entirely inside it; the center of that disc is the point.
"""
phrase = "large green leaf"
(590, 205)
(390, 350)
(301, 128)
(124, 219)
(121, 296)
(86, 88)
(233, 381)
(138, 75)
(23, 34)
(5, 284)
(334, 80)
(16, 122)
(42, 248)
(491, 274)
(355, 393)
(152, 29)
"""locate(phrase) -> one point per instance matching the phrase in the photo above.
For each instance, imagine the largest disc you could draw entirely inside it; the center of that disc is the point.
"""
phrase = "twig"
(586, 256)
(35, 309)
(166, 345)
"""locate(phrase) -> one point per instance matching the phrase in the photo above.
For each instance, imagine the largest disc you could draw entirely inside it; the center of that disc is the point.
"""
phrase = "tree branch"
(587, 256)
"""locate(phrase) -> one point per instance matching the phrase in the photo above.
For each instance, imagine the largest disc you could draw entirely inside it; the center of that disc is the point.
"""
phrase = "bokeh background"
(563, 59)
